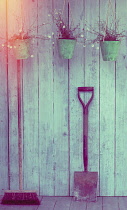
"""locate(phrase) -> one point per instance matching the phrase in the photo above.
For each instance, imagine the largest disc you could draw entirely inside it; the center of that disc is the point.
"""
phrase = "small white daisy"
(63, 26)
(32, 56)
(82, 35)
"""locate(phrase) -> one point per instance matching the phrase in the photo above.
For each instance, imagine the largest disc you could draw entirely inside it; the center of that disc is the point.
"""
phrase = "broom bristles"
(20, 198)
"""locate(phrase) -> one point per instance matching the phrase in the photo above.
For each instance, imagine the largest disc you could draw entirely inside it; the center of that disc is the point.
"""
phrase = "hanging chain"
(22, 28)
(72, 21)
(110, 6)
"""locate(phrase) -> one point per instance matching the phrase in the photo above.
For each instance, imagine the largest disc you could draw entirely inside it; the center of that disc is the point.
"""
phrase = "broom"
(20, 197)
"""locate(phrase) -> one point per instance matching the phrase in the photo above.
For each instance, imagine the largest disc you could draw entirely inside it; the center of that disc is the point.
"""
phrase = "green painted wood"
(76, 79)
(3, 105)
(52, 114)
(107, 132)
(46, 136)
(12, 100)
(60, 117)
(121, 111)
(107, 120)
(30, 105)
(92, 80)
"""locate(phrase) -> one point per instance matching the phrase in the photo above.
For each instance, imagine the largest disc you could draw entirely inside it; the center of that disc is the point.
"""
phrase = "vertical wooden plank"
(76, 79)
(13, 10)
(30, 104)
(107, 118)
(121, 104)
(46, 136)
(3, 103)
(60, 115)
(92, 80)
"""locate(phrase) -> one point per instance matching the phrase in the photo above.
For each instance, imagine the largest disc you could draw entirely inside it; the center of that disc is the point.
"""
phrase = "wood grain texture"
(122, 202)
(92, 80)
(107, 116)
(12, 15)
(52, 114)
(110, 202)
(95, 205)
(3, 104)
(48, 203)
(51, 203)
(121, 111)
(107, 120)
(46, 136)
(76, 79)
(78, 205)
(60, 116)
(30, 105)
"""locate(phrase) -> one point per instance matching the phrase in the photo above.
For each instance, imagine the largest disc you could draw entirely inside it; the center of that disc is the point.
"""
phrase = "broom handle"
(19, 126)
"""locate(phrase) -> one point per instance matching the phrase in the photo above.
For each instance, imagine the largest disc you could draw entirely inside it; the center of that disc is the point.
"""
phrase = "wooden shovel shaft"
(85, 123)
(85, 138)
(19, 126)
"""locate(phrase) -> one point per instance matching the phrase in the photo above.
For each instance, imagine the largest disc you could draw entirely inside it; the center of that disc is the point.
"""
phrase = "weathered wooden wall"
(51, 112)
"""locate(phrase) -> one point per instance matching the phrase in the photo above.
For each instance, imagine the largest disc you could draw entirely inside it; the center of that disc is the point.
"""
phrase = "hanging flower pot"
(66, 47)
(110, 50)
(21, 48)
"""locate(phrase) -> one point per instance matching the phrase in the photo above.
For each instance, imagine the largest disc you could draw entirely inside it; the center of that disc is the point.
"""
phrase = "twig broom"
(20, 197)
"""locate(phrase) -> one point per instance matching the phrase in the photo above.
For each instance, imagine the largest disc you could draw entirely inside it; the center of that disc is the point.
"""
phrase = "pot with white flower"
(66, 46)
(21, 43)
(110, 40)
(21, 46)
(66, 37)
(109, 35)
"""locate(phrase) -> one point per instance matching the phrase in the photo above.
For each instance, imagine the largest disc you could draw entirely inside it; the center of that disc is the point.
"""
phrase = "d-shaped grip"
(83, 89)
